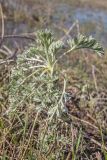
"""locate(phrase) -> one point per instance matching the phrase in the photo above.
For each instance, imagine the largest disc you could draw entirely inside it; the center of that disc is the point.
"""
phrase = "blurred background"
(26, 16)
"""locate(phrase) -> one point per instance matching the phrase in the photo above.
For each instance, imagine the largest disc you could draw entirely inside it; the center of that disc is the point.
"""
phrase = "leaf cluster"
(35, 78)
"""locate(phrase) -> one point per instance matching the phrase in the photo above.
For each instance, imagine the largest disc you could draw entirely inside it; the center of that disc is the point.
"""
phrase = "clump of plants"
(37, 99)
(35, 78)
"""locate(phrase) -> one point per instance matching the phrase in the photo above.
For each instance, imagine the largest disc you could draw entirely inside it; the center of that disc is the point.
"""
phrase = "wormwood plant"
(35, 78)
(35, 86)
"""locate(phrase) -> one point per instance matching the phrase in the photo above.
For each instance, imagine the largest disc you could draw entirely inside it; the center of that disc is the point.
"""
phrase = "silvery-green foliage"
(30, 79)
(35, 78)
(86, 42)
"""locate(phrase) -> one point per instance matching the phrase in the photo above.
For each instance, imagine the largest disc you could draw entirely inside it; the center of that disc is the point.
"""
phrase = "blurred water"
(84, 15)
(93, 21)
(96, 17)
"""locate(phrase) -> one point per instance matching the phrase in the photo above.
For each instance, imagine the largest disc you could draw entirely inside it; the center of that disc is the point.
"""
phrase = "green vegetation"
(35, 79)
(38, 123)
